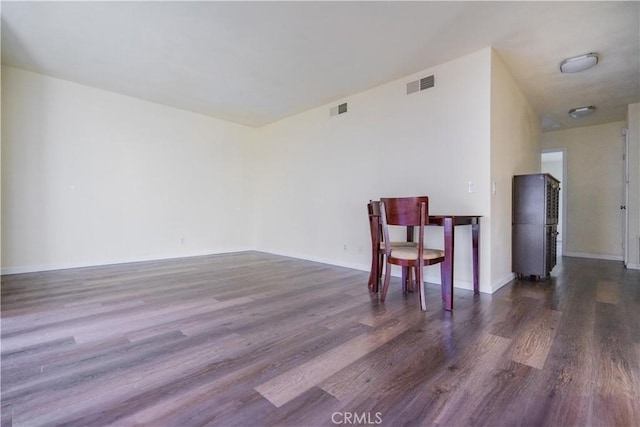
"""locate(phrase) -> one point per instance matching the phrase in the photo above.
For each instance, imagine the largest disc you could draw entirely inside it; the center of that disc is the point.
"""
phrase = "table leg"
(446, 268)
(475, 231)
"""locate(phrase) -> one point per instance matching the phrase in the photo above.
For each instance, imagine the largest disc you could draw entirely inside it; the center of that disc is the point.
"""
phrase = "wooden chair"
(375, 227)
(378, 247)
(407, 212)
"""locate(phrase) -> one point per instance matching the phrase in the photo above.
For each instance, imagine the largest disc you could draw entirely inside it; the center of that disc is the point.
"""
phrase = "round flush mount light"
(579, 112)
(579, 63)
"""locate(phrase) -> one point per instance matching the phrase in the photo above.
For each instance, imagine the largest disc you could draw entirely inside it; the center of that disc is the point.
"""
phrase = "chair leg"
(420, 283)
(405, 278)
(377, 263)
(410, 278)
(387, 279)
(373, 275)
(380, 268)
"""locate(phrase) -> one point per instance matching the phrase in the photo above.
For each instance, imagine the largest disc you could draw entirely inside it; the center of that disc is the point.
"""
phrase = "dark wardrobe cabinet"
(534, 224)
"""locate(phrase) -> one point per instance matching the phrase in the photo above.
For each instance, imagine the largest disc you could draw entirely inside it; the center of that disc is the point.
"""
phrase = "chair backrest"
(374, 207)
(375, 224)
(405, 210)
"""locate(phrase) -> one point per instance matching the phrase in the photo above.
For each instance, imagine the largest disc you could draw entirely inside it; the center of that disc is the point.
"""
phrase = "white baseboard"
(457, 283)
(395, 272)
(502, 282)
(593, 256)
(321, 260)
(66, 266)
(633, 266)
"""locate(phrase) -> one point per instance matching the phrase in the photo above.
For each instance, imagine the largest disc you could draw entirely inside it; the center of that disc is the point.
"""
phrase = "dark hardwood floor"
(255, 339)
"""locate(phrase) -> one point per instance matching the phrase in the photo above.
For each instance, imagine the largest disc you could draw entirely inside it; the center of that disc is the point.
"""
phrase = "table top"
(457, 219)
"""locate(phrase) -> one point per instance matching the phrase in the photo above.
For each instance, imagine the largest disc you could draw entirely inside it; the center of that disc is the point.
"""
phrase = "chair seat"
(411, 253)
(399, 245)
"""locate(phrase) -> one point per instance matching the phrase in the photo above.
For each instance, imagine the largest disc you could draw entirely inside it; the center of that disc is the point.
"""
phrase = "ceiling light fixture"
(579, 112)
(579, 63)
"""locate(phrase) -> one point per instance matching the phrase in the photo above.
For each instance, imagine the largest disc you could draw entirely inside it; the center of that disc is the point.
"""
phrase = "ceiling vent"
(340, 109)
(422, 84)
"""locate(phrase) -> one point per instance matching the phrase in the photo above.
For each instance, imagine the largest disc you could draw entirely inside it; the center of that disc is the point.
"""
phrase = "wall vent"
(421, 84)
(339, 109)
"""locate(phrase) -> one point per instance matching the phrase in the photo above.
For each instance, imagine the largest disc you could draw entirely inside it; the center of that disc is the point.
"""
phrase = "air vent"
(422, 84)
(413, 87)
(340, 109)
(427, 82)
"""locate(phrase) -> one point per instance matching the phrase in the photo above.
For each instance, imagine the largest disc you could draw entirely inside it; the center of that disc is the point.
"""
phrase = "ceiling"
(257, 62)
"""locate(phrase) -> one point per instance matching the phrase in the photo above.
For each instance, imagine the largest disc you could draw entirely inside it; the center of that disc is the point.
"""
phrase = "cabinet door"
(529, 199)
(552, 200)
(551, 243)
(529, 252)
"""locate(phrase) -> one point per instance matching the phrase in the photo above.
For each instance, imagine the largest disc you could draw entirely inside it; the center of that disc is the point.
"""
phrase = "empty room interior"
(315, 213)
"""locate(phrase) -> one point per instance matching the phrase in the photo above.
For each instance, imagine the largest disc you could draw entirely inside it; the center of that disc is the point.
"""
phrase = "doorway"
(553, 163)
(625, 197)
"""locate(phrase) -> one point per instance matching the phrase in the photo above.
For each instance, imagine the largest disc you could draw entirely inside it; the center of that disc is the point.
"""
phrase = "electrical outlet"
(471, 187)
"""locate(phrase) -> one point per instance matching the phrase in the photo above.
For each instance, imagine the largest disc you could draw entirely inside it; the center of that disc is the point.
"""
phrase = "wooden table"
(449, 222)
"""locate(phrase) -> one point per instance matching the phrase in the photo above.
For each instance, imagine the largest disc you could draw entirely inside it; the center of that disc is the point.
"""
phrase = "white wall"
(515, 149)
(315, 173)
(91, 177)
(593, 189)
(0, 134)
(633, 205)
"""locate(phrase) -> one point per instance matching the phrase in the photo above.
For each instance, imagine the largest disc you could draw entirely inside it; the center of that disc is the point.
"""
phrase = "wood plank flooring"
(252, 339)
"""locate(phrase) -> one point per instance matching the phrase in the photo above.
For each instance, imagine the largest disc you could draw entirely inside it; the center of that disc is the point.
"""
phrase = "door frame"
(563, 193)
(625, 196)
